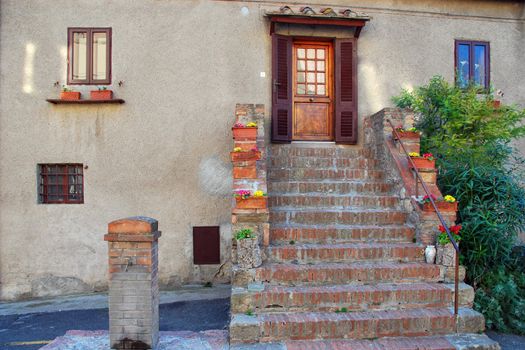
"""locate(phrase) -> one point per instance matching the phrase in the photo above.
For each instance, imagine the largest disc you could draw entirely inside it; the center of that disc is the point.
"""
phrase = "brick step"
(341, 273)
(339, 187)
(348, 252)
(326, 163)
(354, 325)
(319, 151)
(340, 233)
(345, 217)
(464, 341)
(332, 200)
(320, 174)
(381, 296)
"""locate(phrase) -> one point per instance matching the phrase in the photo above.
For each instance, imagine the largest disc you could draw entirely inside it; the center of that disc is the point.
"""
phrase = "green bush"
(470, 139)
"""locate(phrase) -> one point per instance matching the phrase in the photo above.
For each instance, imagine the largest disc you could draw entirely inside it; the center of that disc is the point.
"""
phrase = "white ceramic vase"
(430, 254)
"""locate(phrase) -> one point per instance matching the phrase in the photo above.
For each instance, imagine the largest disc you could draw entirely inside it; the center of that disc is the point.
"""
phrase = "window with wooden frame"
(472, 63)
(89, 56)
(60, 184)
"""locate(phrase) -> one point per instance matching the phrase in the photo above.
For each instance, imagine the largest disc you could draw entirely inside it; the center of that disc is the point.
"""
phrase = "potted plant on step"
(101, 94)
(426, 161)
(446, 254)
(246, 132)
(240, 155)
(248, 251)
(446, 204)
(68, 94)
(246, 200)
(406, 134)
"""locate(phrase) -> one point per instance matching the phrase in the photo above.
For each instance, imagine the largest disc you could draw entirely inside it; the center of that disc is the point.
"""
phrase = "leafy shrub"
(244, 234)
(470, 138)
(404, 100)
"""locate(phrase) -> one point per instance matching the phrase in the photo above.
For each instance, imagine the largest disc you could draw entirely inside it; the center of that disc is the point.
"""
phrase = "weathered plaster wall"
(164, 153)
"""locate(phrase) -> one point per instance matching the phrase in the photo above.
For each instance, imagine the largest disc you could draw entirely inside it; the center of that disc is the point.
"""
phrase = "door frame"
(330, 77)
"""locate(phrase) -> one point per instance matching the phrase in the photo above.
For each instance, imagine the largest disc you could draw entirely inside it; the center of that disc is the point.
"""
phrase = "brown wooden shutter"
(346, 91)
(281, 88)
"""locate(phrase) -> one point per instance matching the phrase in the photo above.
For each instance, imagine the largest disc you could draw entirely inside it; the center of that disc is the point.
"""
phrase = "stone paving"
(182, 340)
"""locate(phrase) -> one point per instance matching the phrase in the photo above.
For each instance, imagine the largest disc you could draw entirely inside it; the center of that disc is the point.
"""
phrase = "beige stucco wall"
(164, 153)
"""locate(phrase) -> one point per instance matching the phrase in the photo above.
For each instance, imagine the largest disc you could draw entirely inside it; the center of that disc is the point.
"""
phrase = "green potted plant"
(446, 253)
(102, 93)
(242, 132)
(248, 250)
(68, 94)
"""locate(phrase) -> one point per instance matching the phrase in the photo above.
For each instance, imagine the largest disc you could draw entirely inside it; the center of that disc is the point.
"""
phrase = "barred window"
(60, 183)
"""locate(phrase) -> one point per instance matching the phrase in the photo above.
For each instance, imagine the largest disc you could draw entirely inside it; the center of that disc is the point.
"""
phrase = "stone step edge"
(242, 297)
(249, 328)
(463, 341)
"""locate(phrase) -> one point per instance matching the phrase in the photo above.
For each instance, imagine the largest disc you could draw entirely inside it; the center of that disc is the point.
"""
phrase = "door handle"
(311, 99)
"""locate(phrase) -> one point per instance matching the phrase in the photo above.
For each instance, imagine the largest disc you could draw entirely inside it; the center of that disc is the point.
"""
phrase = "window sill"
(57, 101)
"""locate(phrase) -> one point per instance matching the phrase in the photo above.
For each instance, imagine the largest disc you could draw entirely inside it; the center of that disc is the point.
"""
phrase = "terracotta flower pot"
(252, 203)
(70, 95)
(496, 103)
(245, 156)
(101, 94)
(245, 134)
(423, 163)
(442, 206)
(407, 135)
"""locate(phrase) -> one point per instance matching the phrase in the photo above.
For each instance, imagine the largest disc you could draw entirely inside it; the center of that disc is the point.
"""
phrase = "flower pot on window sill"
(407, 135)
(252, 203)
(446, 207)
(245, 156)
(101, 94)
(422, 163)
(70, 95)
(244, 134)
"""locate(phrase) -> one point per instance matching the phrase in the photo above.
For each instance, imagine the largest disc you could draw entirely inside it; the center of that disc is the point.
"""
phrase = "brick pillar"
(133, 283)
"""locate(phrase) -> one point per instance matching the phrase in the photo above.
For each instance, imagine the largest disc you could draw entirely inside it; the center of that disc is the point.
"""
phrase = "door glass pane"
(310, 65)
(463, 65)
(479, 65)
(320, 66)
(79, 56)
(321, 90)
(310, 77)
(99, 56)
(320, 77)
(301, 65)
(310, 53)
(301, 89)
(320, 53)
(300, 77)
(300, 53)
(311, 89)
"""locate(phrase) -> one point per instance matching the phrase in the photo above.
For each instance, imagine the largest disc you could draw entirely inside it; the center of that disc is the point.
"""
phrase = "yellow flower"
(237, 149)
(413, 154)
(258, 194)
(449, 198)
(251, 125)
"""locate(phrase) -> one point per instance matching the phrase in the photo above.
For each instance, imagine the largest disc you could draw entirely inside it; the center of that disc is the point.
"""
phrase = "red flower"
(442, 228)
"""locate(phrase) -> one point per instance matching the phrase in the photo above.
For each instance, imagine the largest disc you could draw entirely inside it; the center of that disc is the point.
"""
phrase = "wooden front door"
(313, 91)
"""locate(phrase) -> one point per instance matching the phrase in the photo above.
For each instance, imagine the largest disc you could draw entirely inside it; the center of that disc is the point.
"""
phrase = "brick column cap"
(135, 225)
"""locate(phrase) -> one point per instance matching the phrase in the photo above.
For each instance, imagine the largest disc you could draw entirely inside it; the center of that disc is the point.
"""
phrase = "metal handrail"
(443, 223)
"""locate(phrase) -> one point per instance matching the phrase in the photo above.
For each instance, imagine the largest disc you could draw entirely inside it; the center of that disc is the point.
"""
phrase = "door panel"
(312, 91)
(312, 120)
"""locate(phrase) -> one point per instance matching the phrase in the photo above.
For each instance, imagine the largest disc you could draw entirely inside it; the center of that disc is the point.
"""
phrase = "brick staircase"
(342, 266)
